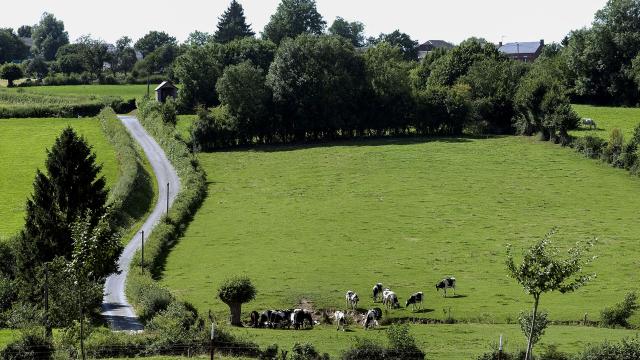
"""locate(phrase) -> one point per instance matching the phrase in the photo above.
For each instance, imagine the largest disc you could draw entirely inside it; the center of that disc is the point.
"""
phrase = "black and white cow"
(377, 292)
(255, 319)
(265, 319)
(298, 318)
(371, 318)
(447, 283)
(351, 299)
(390, 300)
(341, 319)
(280, 319)
(590, 123)
(415, 300)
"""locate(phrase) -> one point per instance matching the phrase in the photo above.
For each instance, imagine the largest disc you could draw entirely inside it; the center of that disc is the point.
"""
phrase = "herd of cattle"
(302, 318)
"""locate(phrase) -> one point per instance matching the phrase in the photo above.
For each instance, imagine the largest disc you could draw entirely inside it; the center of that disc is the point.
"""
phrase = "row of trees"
(316, 87)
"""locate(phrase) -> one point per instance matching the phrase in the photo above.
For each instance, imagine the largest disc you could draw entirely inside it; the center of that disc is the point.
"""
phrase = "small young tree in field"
(542, 270)
(10, 72)
(234, 292)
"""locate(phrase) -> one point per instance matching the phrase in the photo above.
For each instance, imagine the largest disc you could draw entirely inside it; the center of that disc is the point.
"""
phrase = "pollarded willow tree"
(542, 270)
(234, 292)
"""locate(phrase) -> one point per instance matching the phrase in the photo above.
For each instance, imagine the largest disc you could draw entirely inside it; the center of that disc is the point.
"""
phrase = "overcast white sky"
(452, 20)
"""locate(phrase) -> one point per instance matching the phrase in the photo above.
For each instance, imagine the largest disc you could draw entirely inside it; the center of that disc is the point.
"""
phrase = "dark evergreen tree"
(232, 24)
(72, 188)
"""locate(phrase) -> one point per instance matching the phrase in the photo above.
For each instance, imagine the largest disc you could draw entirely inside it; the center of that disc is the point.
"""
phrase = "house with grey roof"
(430, 45)
(522, 51)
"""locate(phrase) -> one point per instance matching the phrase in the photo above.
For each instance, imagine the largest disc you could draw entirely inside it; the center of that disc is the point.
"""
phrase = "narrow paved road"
(115, 307)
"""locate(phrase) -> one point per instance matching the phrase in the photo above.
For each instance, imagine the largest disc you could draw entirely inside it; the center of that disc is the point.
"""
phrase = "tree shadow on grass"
(360, 142)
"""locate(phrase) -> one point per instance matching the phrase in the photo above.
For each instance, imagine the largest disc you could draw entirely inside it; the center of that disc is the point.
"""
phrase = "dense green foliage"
(619, 314)
(235, 292)
(293, 18)
(11, 47)
(352, 31)
(232, 24)
(400, 40)
(48, 36)
(627, 349)
(10, 72)
(153, 41)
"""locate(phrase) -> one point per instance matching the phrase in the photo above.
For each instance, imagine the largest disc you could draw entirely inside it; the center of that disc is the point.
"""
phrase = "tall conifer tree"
(71, 189)
(232, 24)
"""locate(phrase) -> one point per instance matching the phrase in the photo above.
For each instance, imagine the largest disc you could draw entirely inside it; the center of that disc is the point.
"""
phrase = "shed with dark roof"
(165, 90)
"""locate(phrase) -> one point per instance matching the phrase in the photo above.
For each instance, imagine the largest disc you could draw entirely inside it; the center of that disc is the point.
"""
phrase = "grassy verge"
(7, 335)
(134, 193)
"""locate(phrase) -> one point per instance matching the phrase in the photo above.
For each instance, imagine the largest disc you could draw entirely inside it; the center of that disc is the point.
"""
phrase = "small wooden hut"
(166, 90)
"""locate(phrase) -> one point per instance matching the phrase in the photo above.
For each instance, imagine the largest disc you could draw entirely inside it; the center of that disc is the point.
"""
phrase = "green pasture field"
(607, 118)
(22, 150)
(123, 91)
(310, 223)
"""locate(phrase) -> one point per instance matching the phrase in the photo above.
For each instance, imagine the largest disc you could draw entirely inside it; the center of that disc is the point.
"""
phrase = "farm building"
(522, 51)
(166, 90)
(430, 45)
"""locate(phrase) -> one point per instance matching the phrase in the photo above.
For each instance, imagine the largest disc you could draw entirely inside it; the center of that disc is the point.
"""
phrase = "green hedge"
(132, 195)
(42, 111)
(142, 291)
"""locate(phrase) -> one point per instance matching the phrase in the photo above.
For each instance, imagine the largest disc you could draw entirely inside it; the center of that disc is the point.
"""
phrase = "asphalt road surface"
(115, 307)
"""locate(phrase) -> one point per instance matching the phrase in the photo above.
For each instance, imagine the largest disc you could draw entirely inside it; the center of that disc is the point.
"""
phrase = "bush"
(306, 351)
(401, 346)
(590, 146)
(151, 299)
(213, 129)
(168, 112)
(628, 349)
(178, 324)
(364, 349)
(31, 345)
(612, 151)
(542, 321)
(619, 314)
(104, 343)
(552, 353)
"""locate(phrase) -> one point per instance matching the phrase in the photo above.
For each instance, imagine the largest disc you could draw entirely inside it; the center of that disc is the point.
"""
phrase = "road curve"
(115, 307)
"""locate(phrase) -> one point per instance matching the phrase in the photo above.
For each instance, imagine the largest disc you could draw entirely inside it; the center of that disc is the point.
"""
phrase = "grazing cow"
(447, 283)
(265, 319)
(415, 300)
(377, 291)
(590, 123)
(352, 299)
(341, 319)
(255, 319)
(281, 318)
(298, 317)
(390, 300)
(372, 317)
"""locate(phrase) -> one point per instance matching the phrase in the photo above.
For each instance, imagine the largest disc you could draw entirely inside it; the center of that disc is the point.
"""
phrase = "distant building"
(430, 45)
(522, 51)
(166, 90)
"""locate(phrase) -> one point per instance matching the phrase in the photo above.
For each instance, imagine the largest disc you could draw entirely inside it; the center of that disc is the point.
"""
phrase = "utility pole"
(47, 327)
(142, 253)
(167, 199)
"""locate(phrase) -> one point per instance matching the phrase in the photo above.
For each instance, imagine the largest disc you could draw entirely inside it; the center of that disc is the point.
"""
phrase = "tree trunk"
(533, 326)
(236, 311)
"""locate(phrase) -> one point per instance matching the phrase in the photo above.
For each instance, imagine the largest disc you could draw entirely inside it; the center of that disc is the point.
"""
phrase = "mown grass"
(124, 91)
(23, 144)
(607, 118)
(314, 222)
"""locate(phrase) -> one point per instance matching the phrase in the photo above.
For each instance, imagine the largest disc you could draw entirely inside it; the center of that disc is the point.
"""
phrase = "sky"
(451, 20)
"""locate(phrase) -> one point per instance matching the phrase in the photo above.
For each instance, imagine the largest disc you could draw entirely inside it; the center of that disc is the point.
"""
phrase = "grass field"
(6, 336)
(22, 147)
(607, 118)
(124, 91)
(312, 222)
